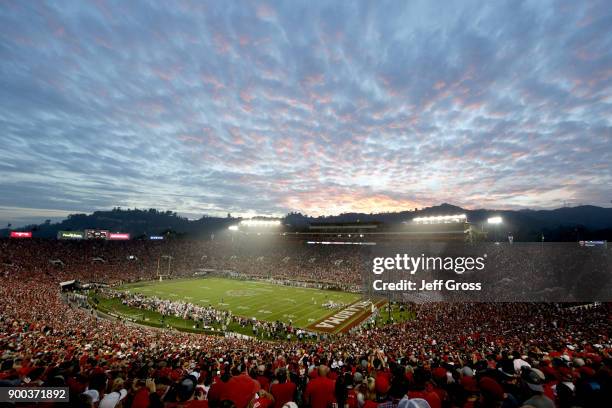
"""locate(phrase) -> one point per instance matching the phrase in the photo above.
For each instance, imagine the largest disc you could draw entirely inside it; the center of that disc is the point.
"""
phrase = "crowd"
(206, 316)
(290, 261)
(125, 261)
(166, 307)
(519, 272)
(450, 355)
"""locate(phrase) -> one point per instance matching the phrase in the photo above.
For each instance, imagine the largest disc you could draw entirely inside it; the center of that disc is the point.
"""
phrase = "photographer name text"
(423, 285)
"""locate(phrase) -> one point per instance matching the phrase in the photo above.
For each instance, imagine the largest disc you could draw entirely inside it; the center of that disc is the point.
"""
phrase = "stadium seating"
(451, 355)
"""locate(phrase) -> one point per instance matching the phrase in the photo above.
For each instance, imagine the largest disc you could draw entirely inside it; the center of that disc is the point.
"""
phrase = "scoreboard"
(96, 234)
(99, 234)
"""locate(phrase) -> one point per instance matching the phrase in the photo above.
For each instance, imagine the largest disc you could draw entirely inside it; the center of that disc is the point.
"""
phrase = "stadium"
(269, 312)
(305, 204)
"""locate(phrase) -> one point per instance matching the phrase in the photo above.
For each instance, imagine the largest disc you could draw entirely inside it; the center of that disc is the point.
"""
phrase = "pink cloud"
(265, 11)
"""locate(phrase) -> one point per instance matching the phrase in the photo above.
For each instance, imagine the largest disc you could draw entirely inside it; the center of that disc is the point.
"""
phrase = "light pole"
(495, 221)
(169, 259)
(233, 229)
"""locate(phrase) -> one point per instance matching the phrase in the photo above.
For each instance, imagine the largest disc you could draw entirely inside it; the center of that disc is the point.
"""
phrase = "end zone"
(345, 319)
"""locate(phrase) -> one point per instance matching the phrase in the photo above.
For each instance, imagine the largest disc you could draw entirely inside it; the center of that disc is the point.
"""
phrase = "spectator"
(320, 391)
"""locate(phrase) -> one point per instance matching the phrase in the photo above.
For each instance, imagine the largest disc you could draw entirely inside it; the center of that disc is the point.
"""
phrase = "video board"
(96, 234)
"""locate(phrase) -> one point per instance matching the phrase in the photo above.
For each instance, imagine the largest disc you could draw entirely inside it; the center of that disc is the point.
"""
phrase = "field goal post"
(164, 272)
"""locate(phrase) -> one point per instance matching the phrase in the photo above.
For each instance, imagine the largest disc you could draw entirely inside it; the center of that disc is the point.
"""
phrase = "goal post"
(162, 272)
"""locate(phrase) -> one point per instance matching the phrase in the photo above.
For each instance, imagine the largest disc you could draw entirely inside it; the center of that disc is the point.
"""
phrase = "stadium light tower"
(260, 223)
(495, 221)
(440, 219)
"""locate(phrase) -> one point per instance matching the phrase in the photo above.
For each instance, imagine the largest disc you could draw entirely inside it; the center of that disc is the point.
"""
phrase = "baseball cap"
(93, 395)
(519, 363)
(413, 403)
(467, 371)
(469, 384)
(491, 389)
(534, 379)
(439, 373)
(186, 388)
(110, 400)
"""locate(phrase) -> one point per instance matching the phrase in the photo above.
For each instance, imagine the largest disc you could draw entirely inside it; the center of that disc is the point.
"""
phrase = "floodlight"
(495, 220)
(440, 219)
(260, 223)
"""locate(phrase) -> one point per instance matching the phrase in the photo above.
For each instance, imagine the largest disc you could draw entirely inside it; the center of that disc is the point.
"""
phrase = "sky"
(320, 107)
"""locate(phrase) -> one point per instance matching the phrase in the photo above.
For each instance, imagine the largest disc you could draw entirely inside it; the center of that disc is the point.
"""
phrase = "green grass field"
(261, 300)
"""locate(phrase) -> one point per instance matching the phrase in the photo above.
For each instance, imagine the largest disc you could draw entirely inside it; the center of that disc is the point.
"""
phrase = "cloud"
(270, 107)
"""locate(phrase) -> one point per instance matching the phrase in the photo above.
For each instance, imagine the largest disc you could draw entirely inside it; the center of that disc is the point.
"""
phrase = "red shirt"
(429, 396)
(141, 399)
(216, 390)
(196, 404)
(351, 399)
(370, 404)
(264, 382)
(442, 394)
(187, 404)
(320, 392)
(282, 393)
(240, 390)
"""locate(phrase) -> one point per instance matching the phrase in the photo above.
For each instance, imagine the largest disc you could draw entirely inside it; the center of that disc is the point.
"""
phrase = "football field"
(261, 300)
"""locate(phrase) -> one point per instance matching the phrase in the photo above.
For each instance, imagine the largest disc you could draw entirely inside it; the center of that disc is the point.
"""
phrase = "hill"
(139, 223)
(561, 224)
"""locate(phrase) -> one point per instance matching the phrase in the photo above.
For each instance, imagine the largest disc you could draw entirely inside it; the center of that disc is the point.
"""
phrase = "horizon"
(268, 108)
(59, 219)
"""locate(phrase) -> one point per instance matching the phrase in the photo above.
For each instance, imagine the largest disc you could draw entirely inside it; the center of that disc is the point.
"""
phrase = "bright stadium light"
(494, 220)
(260, 223)
(440, 219)
(233, 228)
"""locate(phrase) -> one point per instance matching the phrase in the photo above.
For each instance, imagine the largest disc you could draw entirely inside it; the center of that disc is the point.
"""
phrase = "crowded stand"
(451, 355)
(113, 262)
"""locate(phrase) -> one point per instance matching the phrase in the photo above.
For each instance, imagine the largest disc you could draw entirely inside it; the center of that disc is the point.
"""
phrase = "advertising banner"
(118, 236)
(70, 235)
(21, 234)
